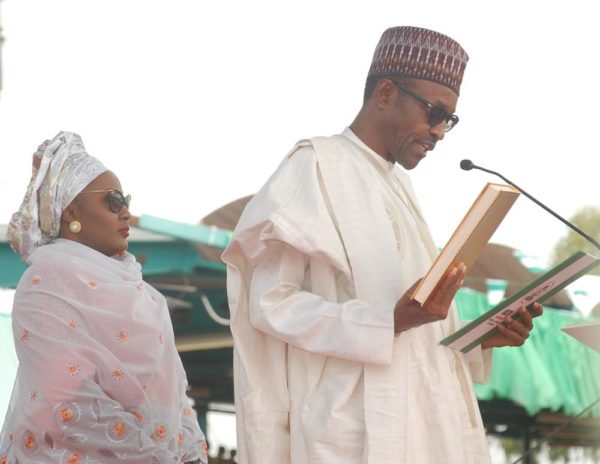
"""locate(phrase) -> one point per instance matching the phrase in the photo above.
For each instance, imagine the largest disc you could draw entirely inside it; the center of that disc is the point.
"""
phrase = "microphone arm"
(467, 165)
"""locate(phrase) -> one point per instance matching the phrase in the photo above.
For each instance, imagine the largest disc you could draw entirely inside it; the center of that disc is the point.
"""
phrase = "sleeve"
(82, 404)
(480, 364)
(281, 307)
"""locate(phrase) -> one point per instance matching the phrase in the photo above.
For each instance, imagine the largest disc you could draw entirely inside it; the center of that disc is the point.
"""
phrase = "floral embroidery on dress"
(72, 368)
(72, 457)
(122, 336)
(29, 443)
(36, 281)
(93, 284)
(161, 339)
(117, 431)
(189, 412)
(139, 287)
(205, 448)
(25, 336)
(161, 432)
(73, 324)
(34, 395)
(117, 373)
(66, 413)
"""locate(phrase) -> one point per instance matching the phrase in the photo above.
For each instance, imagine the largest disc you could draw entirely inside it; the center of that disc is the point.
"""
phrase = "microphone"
(467, 165)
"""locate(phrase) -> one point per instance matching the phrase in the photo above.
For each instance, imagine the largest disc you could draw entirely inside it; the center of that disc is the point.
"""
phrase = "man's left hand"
(514, 332)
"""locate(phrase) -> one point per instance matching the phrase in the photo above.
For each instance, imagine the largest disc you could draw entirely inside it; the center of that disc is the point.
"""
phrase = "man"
(334, 363)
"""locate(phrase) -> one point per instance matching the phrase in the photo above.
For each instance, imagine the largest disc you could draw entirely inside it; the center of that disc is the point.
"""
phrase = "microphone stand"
(468, 165)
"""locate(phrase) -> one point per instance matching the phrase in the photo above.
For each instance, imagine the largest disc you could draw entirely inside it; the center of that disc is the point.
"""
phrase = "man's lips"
(428, 145)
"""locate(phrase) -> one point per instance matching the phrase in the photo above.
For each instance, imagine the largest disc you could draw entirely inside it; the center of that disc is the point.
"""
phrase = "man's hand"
(409, 314)
(513, 332)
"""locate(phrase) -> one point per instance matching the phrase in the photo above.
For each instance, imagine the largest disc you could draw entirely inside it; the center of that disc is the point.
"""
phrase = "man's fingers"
(537, 310)
(514, 337)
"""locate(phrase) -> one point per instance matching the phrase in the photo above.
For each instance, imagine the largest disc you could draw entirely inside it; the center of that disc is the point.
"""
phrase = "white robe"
(99, 378)
(317, 262)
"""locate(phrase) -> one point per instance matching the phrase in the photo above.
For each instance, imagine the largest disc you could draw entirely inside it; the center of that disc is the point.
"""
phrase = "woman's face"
(102, 229)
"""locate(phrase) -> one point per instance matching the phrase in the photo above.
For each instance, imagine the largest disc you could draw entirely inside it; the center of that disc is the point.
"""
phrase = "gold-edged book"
(469, 238)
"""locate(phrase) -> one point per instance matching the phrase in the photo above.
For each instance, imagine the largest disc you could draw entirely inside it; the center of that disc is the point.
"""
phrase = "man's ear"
(384, 93)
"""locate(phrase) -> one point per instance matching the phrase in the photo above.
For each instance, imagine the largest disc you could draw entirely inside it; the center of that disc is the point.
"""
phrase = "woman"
(99, 378)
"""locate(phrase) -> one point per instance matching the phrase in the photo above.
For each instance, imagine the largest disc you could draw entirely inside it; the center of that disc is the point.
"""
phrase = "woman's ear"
(69, 214)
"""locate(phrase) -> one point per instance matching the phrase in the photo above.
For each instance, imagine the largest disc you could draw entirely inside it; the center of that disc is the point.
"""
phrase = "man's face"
(406, 133)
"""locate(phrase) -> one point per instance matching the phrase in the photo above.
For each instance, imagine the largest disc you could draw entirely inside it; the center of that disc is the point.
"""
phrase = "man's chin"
(410, 164)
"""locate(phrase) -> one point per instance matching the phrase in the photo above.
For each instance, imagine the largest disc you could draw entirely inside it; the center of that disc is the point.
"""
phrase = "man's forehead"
(436, 93)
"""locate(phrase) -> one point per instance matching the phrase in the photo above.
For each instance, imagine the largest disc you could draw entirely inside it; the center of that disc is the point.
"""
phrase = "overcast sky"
(193, 104)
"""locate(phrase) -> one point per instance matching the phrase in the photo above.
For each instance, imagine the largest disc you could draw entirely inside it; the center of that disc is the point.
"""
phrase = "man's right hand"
(409, 314)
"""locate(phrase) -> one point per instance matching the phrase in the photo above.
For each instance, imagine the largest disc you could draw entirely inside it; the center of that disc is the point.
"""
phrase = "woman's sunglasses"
(115, 199)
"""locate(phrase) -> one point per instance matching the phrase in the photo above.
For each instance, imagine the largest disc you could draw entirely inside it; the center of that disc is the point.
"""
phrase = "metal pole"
(527, 446)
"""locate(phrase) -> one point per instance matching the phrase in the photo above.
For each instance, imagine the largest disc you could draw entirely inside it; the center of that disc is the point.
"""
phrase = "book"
(587, 333)
(549, 283)
(467, 241)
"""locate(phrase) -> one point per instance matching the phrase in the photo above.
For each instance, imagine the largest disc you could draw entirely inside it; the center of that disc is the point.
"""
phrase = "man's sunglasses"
(115, 199)
(437, 114)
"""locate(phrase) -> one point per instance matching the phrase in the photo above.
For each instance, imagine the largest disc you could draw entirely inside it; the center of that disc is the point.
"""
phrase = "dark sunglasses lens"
(116, 201)
(451, 122)
(437, 115)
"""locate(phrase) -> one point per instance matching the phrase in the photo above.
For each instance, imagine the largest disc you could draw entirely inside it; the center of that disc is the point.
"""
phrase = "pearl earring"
(75, 227)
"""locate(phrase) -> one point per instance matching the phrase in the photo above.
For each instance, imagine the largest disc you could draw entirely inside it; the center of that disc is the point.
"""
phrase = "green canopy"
(552, 371)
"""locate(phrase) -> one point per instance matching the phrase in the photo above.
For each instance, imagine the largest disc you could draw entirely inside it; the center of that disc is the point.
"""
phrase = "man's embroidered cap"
(417, 53)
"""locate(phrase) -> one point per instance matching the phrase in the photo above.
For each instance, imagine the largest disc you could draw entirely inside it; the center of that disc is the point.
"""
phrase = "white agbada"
(318, 260)
(99, 378)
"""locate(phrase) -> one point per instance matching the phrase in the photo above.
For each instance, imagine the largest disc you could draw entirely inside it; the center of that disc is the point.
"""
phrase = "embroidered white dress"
(318, 260)
(99, 378)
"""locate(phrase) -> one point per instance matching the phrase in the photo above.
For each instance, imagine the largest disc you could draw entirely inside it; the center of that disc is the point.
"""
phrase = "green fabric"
(551, 371)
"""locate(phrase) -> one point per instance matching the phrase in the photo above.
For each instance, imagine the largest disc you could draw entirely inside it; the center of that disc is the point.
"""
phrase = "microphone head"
(466, 165)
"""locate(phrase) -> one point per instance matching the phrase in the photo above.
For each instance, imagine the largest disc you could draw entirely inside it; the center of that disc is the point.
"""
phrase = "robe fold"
(316, 265)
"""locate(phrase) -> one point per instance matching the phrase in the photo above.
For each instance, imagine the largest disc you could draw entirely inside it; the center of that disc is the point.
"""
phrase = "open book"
(469, 238)
(551, 282)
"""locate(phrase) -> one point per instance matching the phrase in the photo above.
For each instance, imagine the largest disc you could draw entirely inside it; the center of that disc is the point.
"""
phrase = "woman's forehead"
(105, 181)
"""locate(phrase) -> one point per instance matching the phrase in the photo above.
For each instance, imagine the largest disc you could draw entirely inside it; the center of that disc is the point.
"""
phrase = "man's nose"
(438, 131)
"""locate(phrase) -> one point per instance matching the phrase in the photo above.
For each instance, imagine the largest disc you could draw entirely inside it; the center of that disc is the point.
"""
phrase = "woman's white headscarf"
(61, 169)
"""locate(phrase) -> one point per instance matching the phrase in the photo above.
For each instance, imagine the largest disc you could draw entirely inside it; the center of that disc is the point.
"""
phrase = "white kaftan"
(99, 377)
(318, 260)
